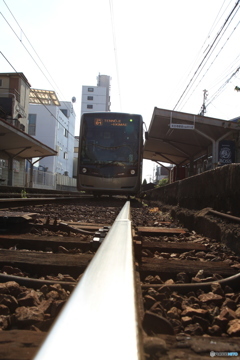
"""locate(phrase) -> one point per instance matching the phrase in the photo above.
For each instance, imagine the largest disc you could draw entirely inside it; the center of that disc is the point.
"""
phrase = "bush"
(162, 182)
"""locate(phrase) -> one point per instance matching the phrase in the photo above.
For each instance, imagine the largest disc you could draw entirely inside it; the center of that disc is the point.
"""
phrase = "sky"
(158, 53)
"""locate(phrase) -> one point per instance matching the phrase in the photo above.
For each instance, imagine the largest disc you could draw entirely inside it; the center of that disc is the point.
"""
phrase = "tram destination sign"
(182, 126)
(111, 122)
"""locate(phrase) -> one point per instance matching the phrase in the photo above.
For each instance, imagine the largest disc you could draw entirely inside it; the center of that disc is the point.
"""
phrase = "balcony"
(16, 123)
(9, 93)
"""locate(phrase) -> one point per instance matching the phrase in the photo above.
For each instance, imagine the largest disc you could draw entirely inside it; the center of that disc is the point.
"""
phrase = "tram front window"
(111, 145)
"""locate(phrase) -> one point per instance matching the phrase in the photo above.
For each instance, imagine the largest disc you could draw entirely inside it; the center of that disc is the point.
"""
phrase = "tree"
(162, 182)
(144, 182)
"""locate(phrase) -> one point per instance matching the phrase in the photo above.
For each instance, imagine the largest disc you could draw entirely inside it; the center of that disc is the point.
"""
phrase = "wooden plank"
(169, 268)
(160, 230)
(172, 247)
(23, 344)
(17, 216)
(42, 264)
(20, 344)
(35, 242)
(197, 347)
(33, 257)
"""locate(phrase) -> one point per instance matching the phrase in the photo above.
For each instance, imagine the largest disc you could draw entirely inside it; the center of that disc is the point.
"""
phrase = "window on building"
(90, 89)
(1, 82)
(65, 155)
(65, 132)
(90, 97)
(65, 112)
(89, 106)
(32, 120)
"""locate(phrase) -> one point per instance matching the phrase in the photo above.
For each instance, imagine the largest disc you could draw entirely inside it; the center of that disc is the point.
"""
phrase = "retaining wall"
(218, 189)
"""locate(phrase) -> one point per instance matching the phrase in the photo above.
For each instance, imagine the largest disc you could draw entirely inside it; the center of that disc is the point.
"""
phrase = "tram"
(110, 153)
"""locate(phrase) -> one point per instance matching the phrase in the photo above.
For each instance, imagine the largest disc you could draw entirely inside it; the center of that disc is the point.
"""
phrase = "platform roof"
(176, 137)
(17, 143)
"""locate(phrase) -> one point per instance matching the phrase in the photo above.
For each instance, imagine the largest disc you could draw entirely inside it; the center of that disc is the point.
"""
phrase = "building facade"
(14, 103)
(96, 98)
(54, 125)
(14, 99)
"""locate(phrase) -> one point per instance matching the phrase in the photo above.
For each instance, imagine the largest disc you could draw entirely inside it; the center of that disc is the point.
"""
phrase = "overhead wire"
(219, 91)
(226, 73)
(37, 66)
(115, 51)
(206, 55)
(202, 49)
(29, 42)
(216, 56)
(40, 100)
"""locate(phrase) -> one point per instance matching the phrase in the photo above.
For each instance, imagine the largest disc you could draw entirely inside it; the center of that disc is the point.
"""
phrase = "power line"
(115, 50)
(34, 62)
(206, 55)
(40, 100)
(32, 49)
(214, 58)
(218, 92)
(203, 49)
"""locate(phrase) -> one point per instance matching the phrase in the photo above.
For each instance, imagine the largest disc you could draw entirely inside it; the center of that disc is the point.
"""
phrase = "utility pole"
(203, 108)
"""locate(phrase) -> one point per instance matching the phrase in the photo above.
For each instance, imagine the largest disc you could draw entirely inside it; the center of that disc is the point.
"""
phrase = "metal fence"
(49, 180)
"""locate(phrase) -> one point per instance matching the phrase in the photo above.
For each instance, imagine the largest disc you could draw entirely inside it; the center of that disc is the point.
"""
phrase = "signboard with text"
(182, 126)
(226, 153)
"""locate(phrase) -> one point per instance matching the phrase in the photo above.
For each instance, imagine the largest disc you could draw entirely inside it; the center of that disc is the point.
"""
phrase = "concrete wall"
(56, 130)
(99, 102)
(218, 189)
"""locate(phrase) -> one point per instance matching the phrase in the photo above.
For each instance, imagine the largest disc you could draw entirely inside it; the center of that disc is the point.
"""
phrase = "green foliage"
(144, 182)
(23, 194)
(162, 182)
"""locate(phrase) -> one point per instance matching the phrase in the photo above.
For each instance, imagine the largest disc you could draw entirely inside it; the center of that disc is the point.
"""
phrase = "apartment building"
(14, 99)
(53, 123)
(17, 147)
(96, 98)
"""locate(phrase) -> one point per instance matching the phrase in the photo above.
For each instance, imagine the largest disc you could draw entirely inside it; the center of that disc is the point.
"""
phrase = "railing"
(63, 182)
(49, 180)
(8, 92)
(99, 321)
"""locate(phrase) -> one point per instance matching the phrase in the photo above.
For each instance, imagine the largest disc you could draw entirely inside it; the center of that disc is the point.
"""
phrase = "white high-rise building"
(53, 123)
(96, 98)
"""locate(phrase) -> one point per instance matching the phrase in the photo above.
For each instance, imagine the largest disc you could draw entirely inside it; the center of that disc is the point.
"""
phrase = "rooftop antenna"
(203, 108)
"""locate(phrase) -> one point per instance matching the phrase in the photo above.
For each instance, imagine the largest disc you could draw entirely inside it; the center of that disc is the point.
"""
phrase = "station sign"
(182, 126)
(226, 154)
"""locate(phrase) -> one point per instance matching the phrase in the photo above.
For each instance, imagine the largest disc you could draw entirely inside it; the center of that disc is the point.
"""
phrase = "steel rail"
(13, 202)
(223, 215)
(99, 321)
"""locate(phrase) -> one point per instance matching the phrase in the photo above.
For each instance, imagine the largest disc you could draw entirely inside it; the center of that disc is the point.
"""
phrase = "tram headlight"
(84, 170)
(132, 172)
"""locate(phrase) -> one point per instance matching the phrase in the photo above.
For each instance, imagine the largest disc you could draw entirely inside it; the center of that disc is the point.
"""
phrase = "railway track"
(178, 297)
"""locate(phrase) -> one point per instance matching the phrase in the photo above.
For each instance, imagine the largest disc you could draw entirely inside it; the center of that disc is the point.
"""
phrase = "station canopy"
(178, 138)
(15, 142)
